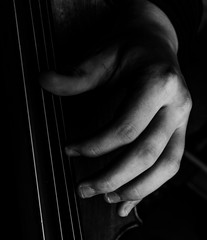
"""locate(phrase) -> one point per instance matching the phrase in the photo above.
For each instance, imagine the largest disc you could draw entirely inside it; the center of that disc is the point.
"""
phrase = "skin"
(153, 119)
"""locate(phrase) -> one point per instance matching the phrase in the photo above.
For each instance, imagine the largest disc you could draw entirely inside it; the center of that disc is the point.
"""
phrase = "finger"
(139, 110)
(139, 156)
(126, 207)
(164, 169)
(87, 76)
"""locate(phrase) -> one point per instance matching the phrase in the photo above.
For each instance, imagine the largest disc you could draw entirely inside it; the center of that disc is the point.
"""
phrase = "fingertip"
(50, 82)
(86, 190)
(127, 207)
(112, 197)
(71, 152)
(59, 84)
(123, 213)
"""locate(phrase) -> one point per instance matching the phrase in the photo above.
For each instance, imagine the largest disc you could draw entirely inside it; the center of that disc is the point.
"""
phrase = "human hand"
(151, 123)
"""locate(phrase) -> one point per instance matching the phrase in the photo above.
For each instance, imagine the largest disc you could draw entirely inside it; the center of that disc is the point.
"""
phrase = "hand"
(151, 125)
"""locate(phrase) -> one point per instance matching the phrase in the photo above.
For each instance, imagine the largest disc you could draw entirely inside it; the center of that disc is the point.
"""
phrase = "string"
(56, 123)
(57, 128)
(29, 123)
(46, 123)
(62, 115)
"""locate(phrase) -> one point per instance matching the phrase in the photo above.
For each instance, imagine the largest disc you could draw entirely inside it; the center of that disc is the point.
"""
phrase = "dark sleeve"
(185, 15)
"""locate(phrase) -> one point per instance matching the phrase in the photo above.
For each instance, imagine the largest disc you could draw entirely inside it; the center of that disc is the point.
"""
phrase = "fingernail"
(126, 210)
(124, 213)
(86, 191)
(112, 197)
(72, 152)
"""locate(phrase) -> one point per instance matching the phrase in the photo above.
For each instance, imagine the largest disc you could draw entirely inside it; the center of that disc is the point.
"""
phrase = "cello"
(49, 207)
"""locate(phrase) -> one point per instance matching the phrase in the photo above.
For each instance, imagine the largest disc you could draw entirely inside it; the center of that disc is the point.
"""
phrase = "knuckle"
(187, 103)
(127, 133)
(149, 154)
(172, 82)
(106, 185)
(136, 194)
(174, 165)
(171, 86)
(93, 151)
(184, 107)
(175, 89)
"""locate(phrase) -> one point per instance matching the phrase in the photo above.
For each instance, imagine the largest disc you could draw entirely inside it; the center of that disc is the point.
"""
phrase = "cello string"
(29, 123)
(55, 66)
(57, 128)
(56, 122)
(46, 124)
(62, 118)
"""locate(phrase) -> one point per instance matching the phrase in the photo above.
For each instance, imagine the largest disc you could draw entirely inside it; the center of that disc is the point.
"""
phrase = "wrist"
(148, 24)
(160, 25)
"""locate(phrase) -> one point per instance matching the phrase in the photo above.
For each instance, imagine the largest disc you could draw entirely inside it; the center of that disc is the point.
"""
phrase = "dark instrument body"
(37, 126)
(40, 125)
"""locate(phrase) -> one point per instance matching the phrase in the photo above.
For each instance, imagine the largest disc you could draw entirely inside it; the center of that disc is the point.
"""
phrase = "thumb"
(87, 76)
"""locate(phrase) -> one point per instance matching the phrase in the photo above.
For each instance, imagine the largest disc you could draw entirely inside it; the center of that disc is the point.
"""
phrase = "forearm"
(159, 24)
(149, 27)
